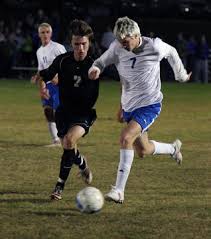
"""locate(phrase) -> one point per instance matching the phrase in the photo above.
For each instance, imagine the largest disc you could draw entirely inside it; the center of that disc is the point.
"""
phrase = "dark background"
(163, 18)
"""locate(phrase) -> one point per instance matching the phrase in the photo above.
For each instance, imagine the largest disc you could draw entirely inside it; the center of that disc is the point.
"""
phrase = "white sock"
(163, 148)
(125, 163)
(53, 130)
(60, 180)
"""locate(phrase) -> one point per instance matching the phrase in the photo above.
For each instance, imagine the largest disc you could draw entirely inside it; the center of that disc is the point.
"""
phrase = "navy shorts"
(144, 116)
(64, 121)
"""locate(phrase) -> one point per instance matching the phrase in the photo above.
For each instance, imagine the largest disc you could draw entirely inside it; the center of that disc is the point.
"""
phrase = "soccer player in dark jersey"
(78, 95)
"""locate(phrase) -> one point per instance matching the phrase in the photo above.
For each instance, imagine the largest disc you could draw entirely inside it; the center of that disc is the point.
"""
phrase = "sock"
(61, 184)
(53, 130)
(60, 181)
(80, 161)
(163, 148)
(125, 163)
(66, 163)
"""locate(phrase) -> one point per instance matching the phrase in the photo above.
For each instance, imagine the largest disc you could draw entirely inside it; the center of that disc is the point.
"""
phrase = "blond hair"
(45, 24)
(124, 27)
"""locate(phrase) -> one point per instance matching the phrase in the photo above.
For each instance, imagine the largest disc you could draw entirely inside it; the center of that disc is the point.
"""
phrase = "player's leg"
(85, 121)
(50, 106)
(68, 159)
(139, 120)
(50, 117)
(71, 129)
(127, 138)
(65, 167)
(146, 116)
(144, 146)
(70, 142)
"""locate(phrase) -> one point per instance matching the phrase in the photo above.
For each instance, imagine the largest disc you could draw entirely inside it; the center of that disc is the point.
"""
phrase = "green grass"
(162, 200)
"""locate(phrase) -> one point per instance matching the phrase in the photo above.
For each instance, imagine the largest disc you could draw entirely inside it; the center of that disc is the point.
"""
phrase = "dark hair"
(81, 28)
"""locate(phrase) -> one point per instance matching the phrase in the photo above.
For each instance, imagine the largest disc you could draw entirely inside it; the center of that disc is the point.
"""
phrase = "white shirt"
(140, 71)
(46, 54)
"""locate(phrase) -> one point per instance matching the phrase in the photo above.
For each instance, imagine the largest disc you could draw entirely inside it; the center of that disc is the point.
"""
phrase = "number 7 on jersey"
(133, 59)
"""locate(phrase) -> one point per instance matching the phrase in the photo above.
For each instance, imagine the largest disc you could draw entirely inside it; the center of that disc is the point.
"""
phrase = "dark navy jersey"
(77, 93)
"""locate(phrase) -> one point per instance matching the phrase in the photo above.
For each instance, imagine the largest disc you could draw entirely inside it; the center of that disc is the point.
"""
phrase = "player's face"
(130, 42)
(80, 47)
(45, 34)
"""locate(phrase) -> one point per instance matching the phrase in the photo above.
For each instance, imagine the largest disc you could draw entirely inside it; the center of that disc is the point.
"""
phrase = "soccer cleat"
(115, 196)
(177, 155)
(57, 193)
(86, 173)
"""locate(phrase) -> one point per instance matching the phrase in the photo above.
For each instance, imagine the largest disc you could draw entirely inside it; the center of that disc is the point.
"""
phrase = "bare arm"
(44, 93)
(34, 78)
(106, 59)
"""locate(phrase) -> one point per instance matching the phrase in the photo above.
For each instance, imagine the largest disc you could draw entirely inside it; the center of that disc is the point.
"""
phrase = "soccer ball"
(89, 200)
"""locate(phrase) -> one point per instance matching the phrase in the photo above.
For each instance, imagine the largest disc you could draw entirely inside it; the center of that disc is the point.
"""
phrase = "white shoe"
(115, 196)
(177, 155)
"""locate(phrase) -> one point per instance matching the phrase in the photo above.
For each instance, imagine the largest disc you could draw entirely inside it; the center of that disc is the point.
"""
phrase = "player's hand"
(34, 79)
(55, 80)
(120, 118)
(94, 73)
(189, 76)
(44, 93)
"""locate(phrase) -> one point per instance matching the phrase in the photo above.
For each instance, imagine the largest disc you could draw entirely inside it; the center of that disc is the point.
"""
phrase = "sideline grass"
(162, 200)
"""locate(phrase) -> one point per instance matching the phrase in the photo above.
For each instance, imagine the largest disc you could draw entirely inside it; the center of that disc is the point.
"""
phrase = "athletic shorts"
(64, 121)
(53, 101)
(144, 116)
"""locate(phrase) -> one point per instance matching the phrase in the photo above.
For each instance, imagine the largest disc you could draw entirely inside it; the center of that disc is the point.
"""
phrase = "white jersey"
(46, 54)
(139, 70)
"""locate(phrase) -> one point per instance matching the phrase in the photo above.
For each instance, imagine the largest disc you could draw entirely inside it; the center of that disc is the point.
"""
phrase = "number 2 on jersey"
(133, 59)
(77, 80)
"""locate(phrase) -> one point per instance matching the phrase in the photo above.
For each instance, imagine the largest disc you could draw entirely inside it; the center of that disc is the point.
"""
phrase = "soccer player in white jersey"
(47, 52)
(137, 59)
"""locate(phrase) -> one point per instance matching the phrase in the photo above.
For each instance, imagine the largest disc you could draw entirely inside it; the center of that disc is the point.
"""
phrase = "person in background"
(191, 55)
(107, 38)
(181, 46)
(47, 52)
(202, 54)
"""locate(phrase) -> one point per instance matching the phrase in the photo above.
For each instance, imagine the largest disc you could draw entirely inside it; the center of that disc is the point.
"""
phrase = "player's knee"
(70, 141)
(126, 140)
(49, 114)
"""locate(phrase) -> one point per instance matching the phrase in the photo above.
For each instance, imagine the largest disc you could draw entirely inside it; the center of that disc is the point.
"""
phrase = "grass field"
(162, 200)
